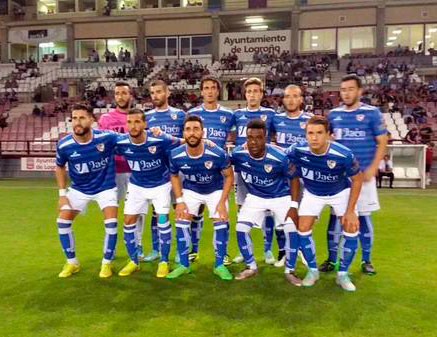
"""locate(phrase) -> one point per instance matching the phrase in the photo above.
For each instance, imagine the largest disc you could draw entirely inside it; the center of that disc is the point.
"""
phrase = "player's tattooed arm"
(61, 179)
(228, 185)
(350, 220)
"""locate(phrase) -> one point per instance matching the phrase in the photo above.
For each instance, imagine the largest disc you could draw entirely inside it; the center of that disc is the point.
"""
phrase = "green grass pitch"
(401, 300)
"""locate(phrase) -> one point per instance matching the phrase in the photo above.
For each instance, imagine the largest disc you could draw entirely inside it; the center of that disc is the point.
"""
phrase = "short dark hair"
(212, 79)
(193, 118)
(83, 107)
(257, 124)
(353, 77)
(122, 84)
(136, 111)
(319, 120)
(158, 83)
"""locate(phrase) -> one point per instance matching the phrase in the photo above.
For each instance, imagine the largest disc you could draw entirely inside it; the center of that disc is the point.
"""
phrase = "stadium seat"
(412, 172)
(399, 172)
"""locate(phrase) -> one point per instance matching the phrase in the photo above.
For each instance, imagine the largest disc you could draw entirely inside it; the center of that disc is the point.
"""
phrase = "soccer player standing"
(361, 128)
(289, 129)
(90, 157)
(331, 177)
(147, 156)
(170, 120)
(265, 172)
(219, 127)
(208, 179)
(254, 92)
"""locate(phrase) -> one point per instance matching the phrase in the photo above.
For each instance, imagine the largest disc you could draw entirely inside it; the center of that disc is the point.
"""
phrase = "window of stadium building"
(410, 36)
(21, 51)
(47, 7)
(87, 5)
(188, 46)
(431, 39)
(170, 3)
(317, 40)
(356, 40)
(128, 4)
(52, 51)
(120, 47)
(88, 50)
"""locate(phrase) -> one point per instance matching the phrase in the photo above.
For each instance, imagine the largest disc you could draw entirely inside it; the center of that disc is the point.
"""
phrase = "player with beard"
(170, 120)
(90, 157)
(208, 179)
(289, 129)
(361, 128)
(219, 127)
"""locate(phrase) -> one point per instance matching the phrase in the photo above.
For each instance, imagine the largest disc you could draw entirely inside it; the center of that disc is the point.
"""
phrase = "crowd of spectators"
(183, 70)
(230, 62)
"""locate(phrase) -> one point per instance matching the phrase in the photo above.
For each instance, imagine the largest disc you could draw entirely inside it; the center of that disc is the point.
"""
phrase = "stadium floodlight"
(397, 32)
(260, 27)
(392, 38)
(254, 19)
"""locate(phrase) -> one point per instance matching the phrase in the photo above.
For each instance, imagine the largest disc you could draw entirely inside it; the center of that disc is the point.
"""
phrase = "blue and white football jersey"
(202, 174)
(358, 130)
(244, 116)
(148, 161)
(218, 124)
(267, 177)
(326, 174)
(290, 130)
(170, 121)
(91, 166)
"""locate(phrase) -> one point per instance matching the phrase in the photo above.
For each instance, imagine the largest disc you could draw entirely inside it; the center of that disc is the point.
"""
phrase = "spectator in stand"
(64, 88)
(429, 159)
(413, 136)
(36, 111)
(3, 119)
(425, 132)
(385, 170)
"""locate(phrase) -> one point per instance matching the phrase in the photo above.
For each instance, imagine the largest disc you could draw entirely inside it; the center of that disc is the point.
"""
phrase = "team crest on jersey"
(360, 117)
(302, 125)
(174, 116)
(208, 164)
(331, 164)
(100, 147)
(268, 168)
(263, 117)
(223, 119)
(152, 149)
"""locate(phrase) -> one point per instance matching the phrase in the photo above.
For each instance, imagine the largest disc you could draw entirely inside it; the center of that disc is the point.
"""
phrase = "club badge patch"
(331, 163)
(100, 147)
(152, 149)
(360, 117)
(208, 164)
(268, 168)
